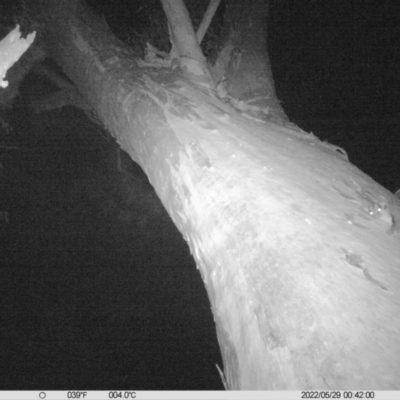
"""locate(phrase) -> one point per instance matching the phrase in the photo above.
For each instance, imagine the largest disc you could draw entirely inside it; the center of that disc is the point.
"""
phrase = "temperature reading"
(76, 395)
(122, 395)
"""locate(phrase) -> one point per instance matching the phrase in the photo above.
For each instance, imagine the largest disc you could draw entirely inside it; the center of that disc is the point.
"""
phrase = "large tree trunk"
(297, 248)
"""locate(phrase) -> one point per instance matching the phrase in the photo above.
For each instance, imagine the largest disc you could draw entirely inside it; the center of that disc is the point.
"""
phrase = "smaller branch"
(192, 63)
(207, 18)
(182, 30)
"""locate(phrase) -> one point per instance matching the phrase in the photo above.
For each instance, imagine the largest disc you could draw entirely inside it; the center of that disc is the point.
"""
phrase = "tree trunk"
(297, 248)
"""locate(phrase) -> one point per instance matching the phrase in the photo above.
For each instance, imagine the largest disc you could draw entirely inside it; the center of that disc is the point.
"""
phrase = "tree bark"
(297, 248)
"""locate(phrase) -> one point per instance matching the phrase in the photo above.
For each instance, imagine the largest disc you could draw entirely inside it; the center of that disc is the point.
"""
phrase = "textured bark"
(301, 270)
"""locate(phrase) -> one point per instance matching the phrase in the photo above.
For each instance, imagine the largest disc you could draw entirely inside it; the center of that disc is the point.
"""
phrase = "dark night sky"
(94, 302)
(335, 66)
(341, 56)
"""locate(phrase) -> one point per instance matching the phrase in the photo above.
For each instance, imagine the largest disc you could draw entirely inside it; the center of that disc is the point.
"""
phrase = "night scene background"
(98, 289)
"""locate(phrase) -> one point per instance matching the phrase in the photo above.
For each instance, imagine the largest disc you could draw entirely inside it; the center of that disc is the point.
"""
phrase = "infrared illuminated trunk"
(302, 278)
